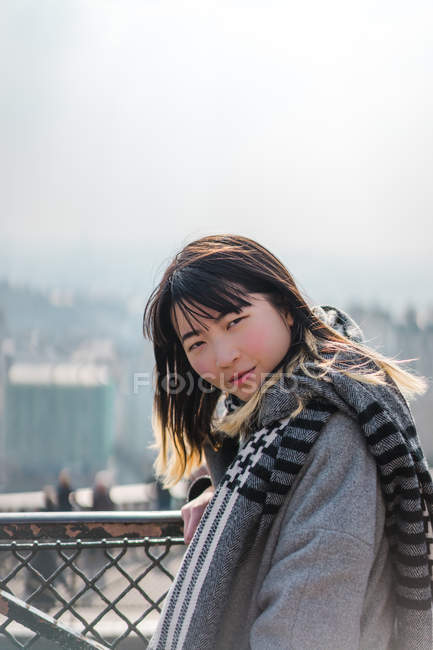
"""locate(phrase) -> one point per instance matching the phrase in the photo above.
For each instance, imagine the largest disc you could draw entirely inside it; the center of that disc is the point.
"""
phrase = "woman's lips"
(242, 378)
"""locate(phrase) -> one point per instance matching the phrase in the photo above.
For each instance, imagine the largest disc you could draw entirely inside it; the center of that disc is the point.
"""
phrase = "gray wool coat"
(324, 580)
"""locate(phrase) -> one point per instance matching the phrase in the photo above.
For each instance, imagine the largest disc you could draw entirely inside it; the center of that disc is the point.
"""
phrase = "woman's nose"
(225, 355)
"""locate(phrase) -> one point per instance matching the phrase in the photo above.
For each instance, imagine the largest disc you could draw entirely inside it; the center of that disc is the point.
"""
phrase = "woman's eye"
(235, 321)
(198, 344)
(194, 346)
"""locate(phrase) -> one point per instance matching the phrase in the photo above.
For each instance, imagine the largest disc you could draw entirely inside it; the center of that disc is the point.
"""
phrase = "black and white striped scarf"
(257, 482)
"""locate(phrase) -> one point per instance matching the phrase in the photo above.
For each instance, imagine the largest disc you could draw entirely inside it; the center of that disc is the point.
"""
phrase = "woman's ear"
(289, 318)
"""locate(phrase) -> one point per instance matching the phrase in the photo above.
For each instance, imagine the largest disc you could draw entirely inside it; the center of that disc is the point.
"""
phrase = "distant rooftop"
(60, 374)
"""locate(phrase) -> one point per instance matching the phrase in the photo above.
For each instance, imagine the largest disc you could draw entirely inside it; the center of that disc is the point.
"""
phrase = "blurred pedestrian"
(163, 496)
(101, 499)
(64, 492)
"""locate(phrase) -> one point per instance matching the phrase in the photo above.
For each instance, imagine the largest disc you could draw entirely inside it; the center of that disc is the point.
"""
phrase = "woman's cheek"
(202, 367)
(253, 342)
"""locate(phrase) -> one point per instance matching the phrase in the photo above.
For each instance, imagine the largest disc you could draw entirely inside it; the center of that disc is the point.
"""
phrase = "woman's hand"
(193, 511)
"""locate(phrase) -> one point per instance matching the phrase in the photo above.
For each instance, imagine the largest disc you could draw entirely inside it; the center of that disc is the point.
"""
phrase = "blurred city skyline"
(76, 371)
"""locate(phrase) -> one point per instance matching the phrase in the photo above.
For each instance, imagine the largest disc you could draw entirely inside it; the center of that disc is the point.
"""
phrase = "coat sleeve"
(313, 592)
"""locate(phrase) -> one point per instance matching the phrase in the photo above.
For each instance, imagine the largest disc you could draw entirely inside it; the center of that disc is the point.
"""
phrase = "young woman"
(317, 529)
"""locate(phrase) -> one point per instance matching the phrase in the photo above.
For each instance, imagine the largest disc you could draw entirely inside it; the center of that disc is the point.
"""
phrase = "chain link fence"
(104, 575)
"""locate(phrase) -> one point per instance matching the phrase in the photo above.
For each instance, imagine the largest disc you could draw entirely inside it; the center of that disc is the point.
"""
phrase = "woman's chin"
(244, 392)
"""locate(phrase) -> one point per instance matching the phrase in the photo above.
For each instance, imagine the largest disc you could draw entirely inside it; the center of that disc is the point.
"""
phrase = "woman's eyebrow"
(197, 332)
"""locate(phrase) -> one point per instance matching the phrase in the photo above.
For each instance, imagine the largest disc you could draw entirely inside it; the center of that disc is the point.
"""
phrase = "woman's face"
(235, 352)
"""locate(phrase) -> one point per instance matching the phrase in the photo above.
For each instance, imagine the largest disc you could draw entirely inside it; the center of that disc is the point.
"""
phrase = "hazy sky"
(128, 128)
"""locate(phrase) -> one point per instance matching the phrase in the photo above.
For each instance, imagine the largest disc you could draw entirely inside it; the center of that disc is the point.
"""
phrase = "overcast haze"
(128, 128)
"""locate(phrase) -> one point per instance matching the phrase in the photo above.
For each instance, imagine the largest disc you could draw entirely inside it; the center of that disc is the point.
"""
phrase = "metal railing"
(104, 575)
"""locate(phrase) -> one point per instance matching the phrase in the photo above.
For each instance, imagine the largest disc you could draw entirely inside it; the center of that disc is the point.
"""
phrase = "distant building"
(56, 415)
